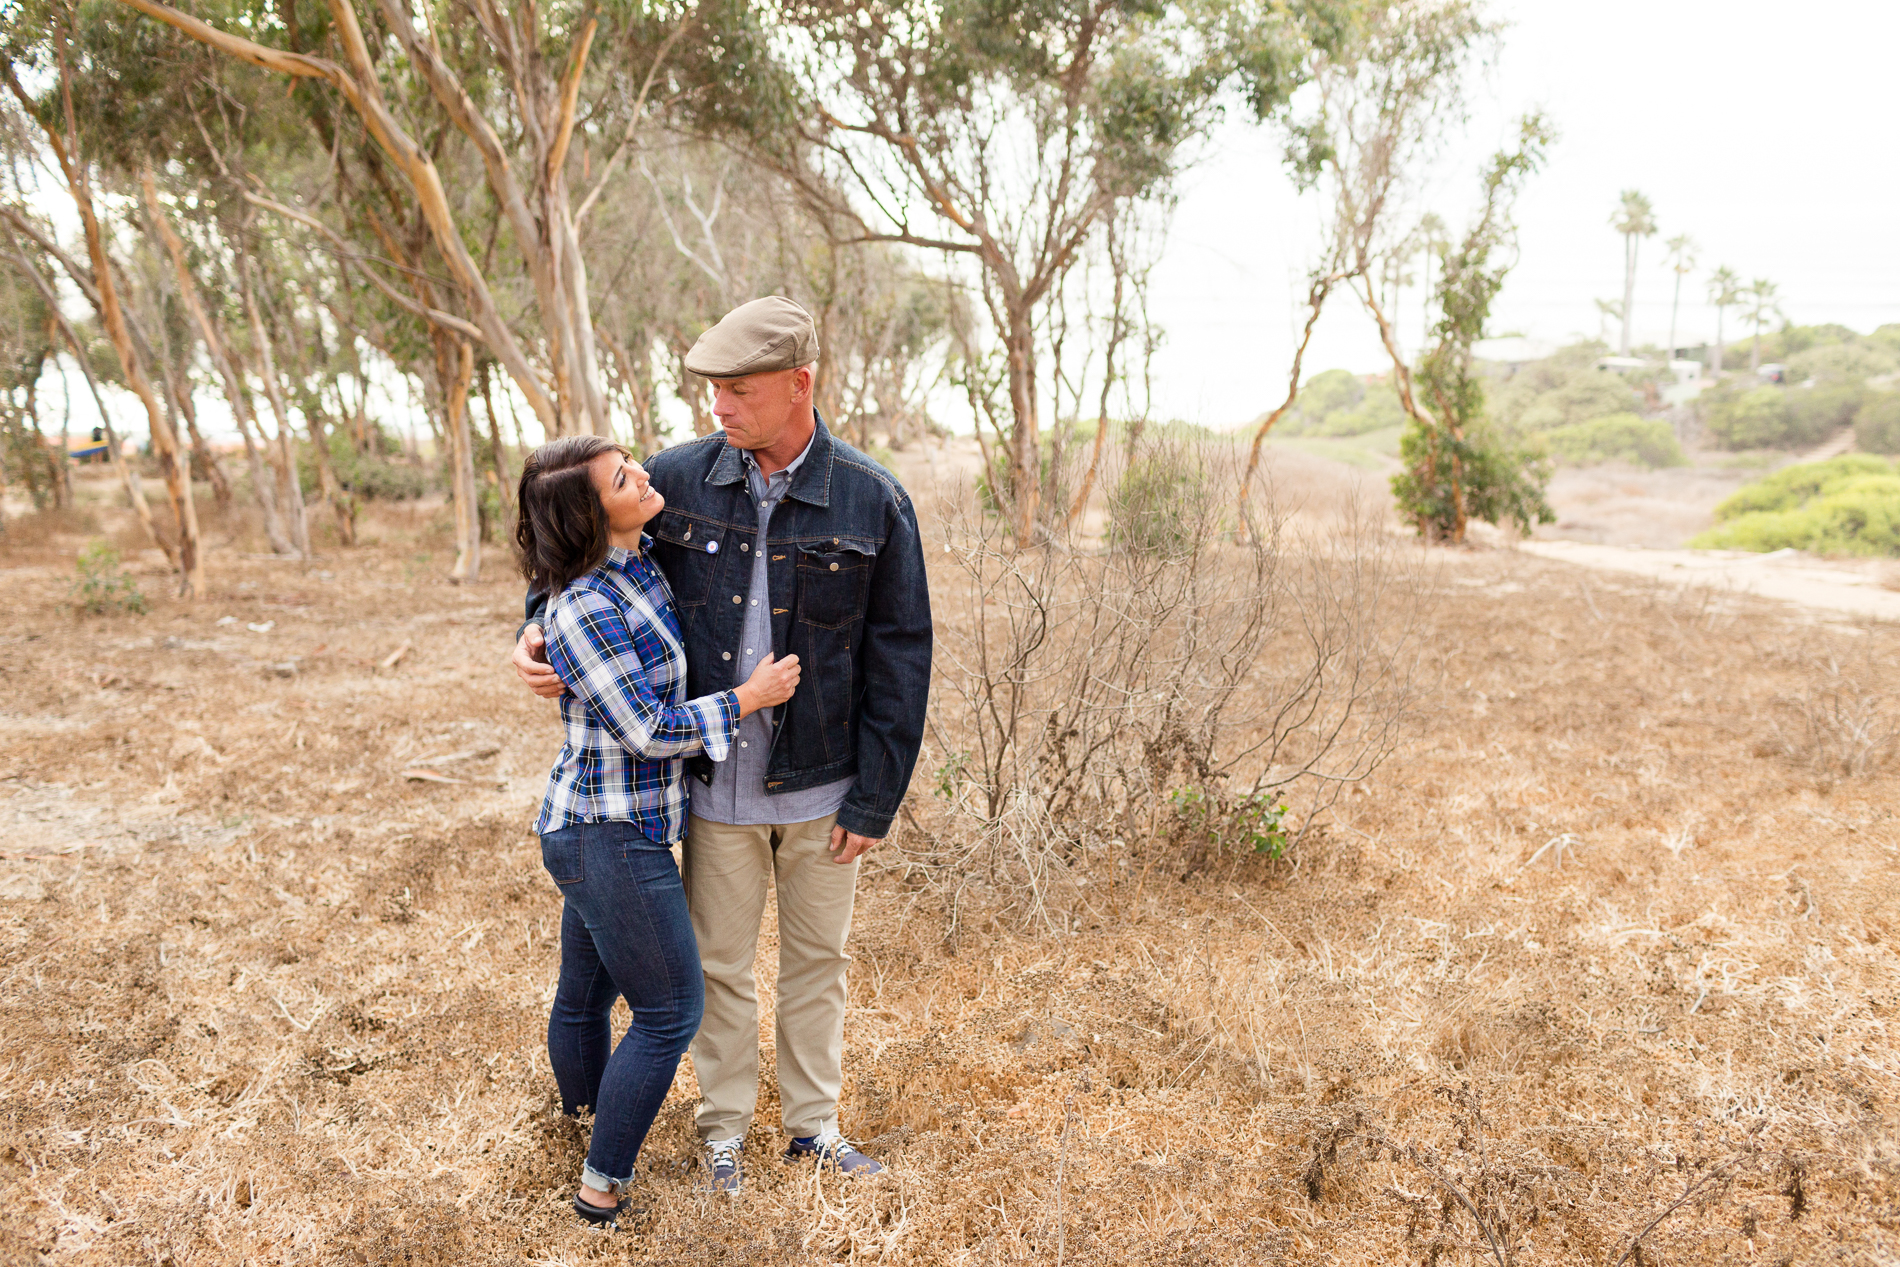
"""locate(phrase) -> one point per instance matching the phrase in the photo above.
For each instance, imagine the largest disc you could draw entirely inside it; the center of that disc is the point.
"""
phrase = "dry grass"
(1594, 942)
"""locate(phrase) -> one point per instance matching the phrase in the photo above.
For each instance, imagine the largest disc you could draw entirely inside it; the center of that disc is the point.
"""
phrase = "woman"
(616, 800)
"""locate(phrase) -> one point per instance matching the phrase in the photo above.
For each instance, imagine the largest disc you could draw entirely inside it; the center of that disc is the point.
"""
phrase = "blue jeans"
(624, 931)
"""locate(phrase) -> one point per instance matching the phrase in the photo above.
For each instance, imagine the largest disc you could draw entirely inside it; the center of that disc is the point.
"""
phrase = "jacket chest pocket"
(834, 579)
(687, 550)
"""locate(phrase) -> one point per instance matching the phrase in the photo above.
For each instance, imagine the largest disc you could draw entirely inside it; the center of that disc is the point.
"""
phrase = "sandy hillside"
(1599, 968)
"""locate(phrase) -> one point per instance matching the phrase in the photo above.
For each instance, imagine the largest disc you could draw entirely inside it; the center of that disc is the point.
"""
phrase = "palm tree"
(1681, 262)
(1635, 219)
(1608, 310)
(1762, 308)
(1725, 291)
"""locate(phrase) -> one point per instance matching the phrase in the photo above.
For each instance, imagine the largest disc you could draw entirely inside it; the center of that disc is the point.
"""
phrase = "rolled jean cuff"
(601, 1183)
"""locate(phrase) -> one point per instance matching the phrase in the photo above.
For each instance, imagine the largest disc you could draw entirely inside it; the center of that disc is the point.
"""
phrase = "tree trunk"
(1025, 443)
(341, 504)
(692, 390)
(1675, 306)
(1629, 287)
(455, 368)
(179, 393)
(235, 391)
(172, 463)
(284, 459)
(185, 555)
(129, 477)
(1408, 398)
(503, 479)
(65, 434)
(1315, 301)
(1716, 372)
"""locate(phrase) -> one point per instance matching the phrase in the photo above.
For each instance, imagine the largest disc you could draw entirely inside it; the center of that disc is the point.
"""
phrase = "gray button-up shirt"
(737, 793)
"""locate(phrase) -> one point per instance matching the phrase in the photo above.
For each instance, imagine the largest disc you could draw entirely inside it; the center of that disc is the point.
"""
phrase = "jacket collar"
(811, 482)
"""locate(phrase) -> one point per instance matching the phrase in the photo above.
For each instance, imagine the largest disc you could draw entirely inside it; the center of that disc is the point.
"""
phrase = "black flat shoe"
(604, 1216)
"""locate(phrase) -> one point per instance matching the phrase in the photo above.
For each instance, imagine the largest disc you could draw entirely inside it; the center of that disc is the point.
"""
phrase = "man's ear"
(802, 380)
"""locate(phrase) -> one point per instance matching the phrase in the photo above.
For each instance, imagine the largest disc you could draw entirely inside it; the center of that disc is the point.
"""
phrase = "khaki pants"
(726, 869)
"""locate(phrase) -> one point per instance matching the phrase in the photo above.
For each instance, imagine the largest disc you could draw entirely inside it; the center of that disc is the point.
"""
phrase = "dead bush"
(1843, 721)
(1089, 689)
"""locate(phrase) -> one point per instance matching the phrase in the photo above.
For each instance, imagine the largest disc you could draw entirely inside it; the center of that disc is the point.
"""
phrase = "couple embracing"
(739, 635)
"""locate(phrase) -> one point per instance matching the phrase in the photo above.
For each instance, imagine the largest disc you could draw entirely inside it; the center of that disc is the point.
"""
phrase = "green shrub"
(1585, 394)
(1877, 425)
(1795, 486)
(1849, 505)
(1162, 501)
(1378, 409)
(1619, 438)
(1321, 396)
(1840, 363)
(1503, 478)
(1255, 822)
(384, 474)
(101, 586)
(1825, 408)
(1757, 418)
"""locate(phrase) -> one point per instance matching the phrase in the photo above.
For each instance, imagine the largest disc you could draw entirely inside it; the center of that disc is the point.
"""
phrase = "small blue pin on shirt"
(712, 547)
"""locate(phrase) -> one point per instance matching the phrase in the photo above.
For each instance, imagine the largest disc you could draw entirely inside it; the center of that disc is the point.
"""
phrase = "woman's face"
(625, 494)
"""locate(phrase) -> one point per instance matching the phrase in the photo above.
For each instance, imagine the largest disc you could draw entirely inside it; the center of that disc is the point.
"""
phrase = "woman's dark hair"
(561, 530)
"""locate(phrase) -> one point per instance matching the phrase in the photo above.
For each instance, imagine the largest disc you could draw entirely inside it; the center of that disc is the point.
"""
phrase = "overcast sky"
(1765, 132)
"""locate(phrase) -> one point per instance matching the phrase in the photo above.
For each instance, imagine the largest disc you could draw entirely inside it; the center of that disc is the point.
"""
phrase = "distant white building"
(1683, 384)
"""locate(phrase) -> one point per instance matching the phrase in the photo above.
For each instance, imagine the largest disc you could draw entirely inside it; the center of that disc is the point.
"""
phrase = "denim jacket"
(849, 598)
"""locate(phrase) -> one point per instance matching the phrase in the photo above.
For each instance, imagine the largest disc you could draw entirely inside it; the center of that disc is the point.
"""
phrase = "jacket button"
(744, 548)
(725, 655)
(834, 541)
(834, 567)
(737, 599)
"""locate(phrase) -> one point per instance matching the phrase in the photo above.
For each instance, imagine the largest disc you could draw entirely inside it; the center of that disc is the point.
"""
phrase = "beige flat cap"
(767, 334)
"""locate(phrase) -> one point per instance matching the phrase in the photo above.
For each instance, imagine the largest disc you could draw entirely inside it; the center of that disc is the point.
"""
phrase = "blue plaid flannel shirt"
(614, 638)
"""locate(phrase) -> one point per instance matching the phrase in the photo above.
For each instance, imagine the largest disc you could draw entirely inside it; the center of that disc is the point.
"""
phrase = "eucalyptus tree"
(1725, 292)
(1682, 261)
(29, 342)
(1386, 90)
(1432, 245)
(1004, 137)
(511, 84)
(1635, 219)
(24, 261)
(1458, 465)
(40, 39)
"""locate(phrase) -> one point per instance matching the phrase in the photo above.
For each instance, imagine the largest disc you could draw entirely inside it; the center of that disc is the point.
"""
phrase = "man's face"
(756, 410)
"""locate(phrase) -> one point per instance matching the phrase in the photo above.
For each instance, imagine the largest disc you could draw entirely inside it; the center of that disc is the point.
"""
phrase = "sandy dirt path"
(1788, 575)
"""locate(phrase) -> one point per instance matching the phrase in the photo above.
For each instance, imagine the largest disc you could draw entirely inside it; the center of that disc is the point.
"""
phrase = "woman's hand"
(770, 685)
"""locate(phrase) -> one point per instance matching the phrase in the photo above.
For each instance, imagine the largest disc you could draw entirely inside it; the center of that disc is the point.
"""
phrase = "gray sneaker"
(832, 1149)
(722, 1162)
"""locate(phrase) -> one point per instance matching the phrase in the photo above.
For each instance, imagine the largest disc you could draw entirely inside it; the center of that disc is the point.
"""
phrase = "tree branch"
(633, 120)
(570, 97)
(447, 320)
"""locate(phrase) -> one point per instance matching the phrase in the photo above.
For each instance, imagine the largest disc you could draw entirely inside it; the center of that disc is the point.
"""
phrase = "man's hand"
(531, 664)
(848, 846)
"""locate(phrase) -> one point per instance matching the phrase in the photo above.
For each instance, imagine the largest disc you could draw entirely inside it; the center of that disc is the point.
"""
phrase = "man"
(778, 538)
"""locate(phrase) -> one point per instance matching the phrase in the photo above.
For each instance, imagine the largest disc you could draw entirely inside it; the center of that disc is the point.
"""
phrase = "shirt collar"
(623, 558)
(790, 469)
(813, 484)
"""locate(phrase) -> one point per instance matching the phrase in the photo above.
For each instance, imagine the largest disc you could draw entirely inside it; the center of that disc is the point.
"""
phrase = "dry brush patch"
(1594, 955)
